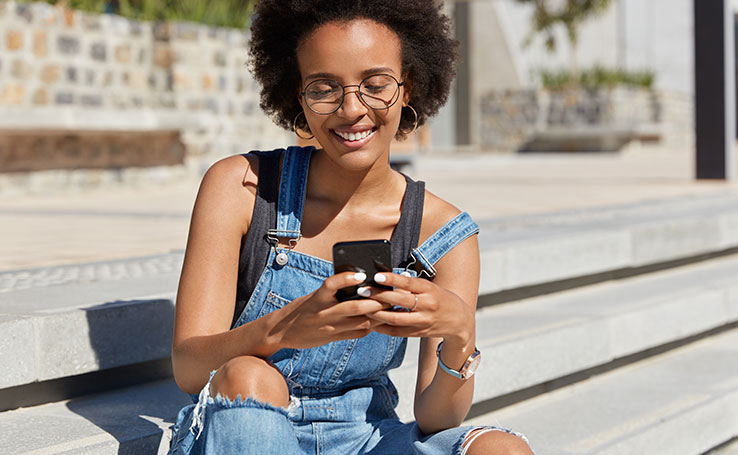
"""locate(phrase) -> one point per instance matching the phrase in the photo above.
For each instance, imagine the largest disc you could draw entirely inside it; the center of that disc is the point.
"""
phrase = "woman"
(289, 369)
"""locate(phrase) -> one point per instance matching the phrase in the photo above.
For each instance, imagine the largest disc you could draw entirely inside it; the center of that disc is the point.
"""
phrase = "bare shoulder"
(228, 189)
(436, 213)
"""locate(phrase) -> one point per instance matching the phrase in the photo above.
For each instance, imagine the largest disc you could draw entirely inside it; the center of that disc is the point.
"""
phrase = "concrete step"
(541, 339)
(64, 321)
(132, 421)
(535, 249)
(729, 448)
(684, 402)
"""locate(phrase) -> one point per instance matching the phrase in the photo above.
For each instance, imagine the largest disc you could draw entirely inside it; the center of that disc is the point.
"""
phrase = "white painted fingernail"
(364, 291)
(360, 276)
(379, 278)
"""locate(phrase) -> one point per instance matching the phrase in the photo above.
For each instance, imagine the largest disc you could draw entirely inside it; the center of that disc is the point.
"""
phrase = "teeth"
(354, 136)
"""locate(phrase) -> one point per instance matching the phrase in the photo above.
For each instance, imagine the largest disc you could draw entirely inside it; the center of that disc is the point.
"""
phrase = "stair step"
(535, 249)
(545, 338)
(684, 401)
(134, 420)
(69, 320)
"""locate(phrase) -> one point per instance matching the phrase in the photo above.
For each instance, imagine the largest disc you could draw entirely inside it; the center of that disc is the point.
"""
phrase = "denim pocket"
(271, 303)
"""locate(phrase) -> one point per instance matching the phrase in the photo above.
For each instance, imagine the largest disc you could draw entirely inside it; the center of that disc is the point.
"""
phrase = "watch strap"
(464, 373)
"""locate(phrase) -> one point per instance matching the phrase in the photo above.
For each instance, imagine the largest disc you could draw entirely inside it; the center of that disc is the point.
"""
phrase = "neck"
(342, 188)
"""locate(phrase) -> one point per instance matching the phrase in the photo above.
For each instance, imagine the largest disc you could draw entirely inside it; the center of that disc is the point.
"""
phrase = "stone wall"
(65, 70)
(513, 119)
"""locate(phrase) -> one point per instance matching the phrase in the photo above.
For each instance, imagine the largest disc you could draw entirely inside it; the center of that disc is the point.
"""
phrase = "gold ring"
(415, 304)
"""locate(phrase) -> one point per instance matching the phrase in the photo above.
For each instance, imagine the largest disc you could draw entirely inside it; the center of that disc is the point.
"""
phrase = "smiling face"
(355, 136)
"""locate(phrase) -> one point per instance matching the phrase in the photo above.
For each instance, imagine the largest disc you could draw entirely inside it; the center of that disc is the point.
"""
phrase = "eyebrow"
(365, 73)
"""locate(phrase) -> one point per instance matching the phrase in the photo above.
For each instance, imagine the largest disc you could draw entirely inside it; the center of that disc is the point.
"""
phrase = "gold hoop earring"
(415, 123)
(294, 126)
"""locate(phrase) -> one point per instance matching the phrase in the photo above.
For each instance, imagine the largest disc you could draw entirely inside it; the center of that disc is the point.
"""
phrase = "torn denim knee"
(206, 400)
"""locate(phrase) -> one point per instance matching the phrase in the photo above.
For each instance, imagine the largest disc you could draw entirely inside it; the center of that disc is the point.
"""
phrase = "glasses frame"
(358, 91)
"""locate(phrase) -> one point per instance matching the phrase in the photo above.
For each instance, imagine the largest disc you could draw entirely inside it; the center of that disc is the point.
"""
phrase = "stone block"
(20, 69)
(91, 22)
(17, 351)
(50, 74)
(163, 56)
(14, 40)
(98, 51)
(206, 82)
(13, 94)
(673, 239)
(72, 74)
(68, 45)
(24, 12)
(40, 43)
(123, 53)
(40, 97)
(70, 17)
(64, 98)
(91, 100)
(90, 77)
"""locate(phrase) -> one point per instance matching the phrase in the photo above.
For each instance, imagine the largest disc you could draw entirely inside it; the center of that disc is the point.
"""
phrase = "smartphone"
(368, 256)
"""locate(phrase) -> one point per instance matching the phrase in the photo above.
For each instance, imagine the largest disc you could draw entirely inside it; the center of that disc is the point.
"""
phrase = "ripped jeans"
(359, 421)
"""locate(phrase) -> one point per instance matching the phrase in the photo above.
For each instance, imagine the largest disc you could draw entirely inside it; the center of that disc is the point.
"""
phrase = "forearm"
(194, 358)
(446, 401)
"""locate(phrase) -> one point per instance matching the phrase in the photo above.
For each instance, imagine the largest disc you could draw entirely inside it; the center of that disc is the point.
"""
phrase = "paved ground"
(110, 223)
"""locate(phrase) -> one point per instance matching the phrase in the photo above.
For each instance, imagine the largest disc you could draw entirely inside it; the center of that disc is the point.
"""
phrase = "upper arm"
(457, 271)
(220, 218)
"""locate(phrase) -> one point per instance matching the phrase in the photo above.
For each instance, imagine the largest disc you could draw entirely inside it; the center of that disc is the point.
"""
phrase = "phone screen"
(368, 256)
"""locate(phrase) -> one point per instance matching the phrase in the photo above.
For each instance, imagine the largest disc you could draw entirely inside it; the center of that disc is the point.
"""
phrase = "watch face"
(472, 364)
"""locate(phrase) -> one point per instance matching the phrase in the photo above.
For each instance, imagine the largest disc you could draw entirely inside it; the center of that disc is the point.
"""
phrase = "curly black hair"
(428, 51)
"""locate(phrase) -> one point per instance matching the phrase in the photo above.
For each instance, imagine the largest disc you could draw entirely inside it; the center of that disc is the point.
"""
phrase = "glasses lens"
(324, 95)
(379, 91)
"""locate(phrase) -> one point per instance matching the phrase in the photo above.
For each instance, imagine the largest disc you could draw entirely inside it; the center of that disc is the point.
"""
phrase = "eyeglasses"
(325, 96)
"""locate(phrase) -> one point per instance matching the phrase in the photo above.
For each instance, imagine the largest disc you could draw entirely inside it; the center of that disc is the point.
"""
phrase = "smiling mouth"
(354, 137)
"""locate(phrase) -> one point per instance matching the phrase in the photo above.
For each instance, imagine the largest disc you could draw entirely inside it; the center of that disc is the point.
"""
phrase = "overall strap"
(407, 232)
(255, 248)
(442, 241)
(292, 188)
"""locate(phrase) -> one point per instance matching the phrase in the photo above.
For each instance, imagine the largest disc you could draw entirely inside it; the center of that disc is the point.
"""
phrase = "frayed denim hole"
(462, 446)
(222, 402)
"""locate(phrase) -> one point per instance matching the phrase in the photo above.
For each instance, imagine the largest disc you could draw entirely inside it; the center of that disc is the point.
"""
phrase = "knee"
(495, 443)
(253, 377)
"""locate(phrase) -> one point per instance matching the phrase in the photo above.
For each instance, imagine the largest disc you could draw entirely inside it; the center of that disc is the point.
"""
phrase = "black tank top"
(255, 245)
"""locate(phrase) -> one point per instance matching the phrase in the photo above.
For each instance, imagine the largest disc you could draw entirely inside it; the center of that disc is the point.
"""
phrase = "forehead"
(347, 49)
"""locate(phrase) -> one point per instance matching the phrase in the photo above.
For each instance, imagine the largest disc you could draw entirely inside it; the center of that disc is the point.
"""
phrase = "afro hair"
(428, 51)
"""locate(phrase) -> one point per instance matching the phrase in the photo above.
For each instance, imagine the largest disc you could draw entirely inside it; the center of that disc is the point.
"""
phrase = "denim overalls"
(341, 399)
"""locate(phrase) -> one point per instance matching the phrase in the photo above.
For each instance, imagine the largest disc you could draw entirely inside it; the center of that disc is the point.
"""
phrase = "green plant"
(596, 77)
(570, 14)
(224, 13)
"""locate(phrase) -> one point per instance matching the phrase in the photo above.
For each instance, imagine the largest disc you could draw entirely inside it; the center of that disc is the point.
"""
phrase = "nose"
(352, 106)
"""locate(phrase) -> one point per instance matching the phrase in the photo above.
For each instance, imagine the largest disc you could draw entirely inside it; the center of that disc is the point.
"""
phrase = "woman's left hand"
(432, 311)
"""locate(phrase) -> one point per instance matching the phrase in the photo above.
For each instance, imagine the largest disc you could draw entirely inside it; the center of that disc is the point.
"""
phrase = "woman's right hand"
(318, 318)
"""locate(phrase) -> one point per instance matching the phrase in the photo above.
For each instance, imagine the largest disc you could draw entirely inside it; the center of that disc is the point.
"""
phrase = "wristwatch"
(470, 365)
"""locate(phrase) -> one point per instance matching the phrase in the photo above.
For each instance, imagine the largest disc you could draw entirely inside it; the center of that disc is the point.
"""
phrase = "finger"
(392, 298)
(398, 318)
(343, 280)
(358, 307)
(397, 331)
(395, 280)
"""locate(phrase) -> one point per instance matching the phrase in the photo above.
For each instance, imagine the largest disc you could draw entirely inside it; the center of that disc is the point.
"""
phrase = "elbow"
(184, 375)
